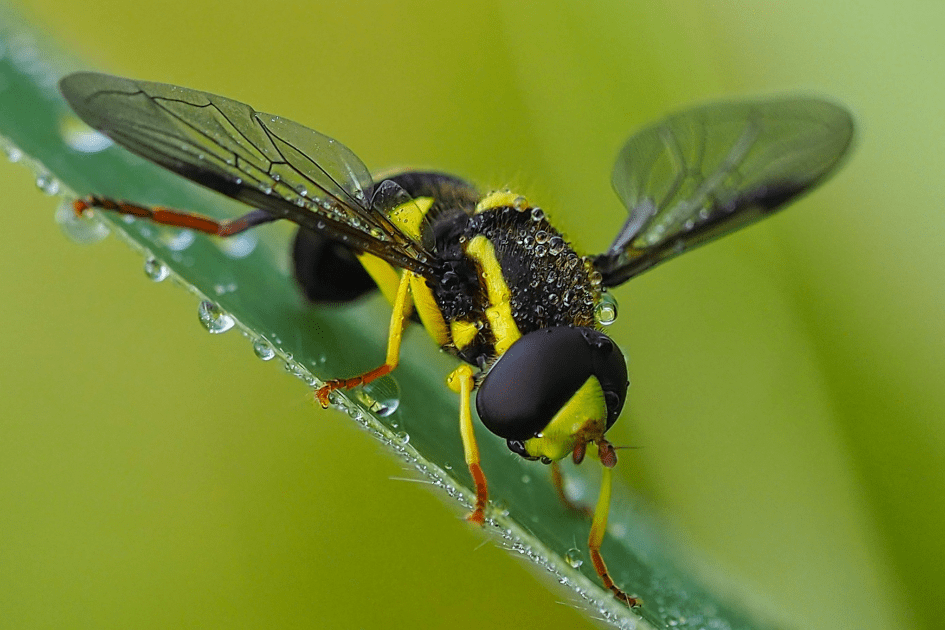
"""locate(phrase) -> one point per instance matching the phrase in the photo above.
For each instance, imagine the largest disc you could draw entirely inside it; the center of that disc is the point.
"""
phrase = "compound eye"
(518, 447)
(540, 373)
(610, 368)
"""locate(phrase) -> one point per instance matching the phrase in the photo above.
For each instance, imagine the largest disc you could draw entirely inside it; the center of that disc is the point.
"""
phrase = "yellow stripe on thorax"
(499, 311)
(408, 217)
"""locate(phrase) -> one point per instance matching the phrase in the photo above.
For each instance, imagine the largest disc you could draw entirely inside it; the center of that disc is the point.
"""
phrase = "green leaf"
(249, 280)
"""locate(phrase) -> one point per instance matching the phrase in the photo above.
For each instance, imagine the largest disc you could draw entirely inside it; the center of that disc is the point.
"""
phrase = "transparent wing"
(266, 161)
(703, 173)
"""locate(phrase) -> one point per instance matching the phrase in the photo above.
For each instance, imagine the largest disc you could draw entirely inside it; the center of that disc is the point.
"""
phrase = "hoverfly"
(491, 279)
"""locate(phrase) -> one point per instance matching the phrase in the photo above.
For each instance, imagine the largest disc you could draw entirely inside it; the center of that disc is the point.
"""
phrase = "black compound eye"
(518, 447)
(540, 373)
(610, 368)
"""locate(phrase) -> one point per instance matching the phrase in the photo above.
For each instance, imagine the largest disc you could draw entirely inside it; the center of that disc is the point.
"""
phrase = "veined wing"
(266, 161)
(709, 171)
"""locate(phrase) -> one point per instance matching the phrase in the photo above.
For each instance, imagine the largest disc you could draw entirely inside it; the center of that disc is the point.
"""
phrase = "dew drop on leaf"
(214, 319)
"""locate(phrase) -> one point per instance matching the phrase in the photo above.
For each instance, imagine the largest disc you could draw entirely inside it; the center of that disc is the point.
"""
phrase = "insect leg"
(402, 308)
(599, 527)
(461, 381)
(170, 217)
(557, 479)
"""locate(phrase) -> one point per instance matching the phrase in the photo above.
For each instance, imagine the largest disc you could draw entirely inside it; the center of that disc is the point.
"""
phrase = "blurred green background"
(786, 382)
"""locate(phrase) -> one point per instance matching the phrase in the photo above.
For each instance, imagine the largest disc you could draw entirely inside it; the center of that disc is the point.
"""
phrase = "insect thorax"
(548, 283)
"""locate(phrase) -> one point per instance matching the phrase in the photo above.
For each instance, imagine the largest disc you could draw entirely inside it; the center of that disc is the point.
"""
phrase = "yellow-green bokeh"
(785, 383)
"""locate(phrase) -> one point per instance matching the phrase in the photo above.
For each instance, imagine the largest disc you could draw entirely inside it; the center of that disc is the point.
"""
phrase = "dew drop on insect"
(605, 312)
(81, 137)
(381, 396)
(573, 558)
(537, 214)
(83, 230)
(520, 203)
(47, 183)
(556, 246)
(155, 269)
(263, 350)
(214, 319)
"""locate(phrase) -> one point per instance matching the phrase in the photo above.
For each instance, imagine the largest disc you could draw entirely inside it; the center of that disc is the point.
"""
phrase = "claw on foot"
(477, 517)
(623, 597)
(323, 393)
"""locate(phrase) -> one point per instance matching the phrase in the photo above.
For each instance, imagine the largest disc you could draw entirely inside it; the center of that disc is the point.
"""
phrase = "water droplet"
(403, 437)
(595, 277)
(263, 350)
(176, 240)
(83, 230)
(537, 214)
(12, 152)
(81, 137)
(573, 558)
(556, 246)
(239, 246)
(155, 269)
(381, 396)
(526, 478)
(214, 319)
(520, 203)
(605, 312)
(47, 183)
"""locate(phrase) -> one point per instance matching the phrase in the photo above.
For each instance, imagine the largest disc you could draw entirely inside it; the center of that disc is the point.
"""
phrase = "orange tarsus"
(346, 384)
(601, 570)
(557, 481)
(482, 494)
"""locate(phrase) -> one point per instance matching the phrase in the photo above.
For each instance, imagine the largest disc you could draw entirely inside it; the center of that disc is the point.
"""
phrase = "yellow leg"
(598, 528)
(402, 308)
(461, 381)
